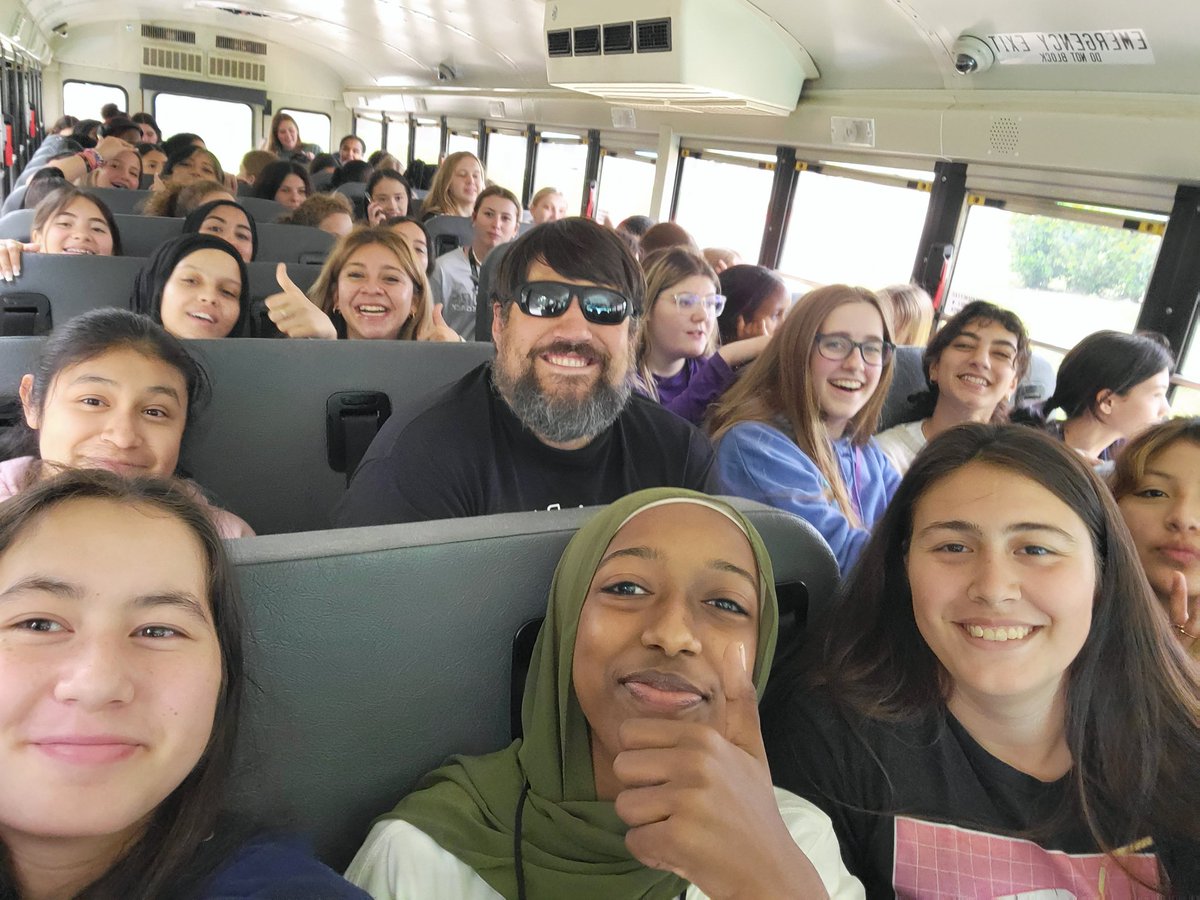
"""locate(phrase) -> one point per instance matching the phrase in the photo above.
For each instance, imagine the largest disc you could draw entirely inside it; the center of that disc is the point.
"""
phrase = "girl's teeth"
(1000, 633)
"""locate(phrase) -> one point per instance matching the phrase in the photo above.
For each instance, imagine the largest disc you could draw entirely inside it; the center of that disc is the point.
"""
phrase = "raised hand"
(699, 801)
(1184, 612)
(10, 257)
(439, 330)
(375, 213)
(294, 314)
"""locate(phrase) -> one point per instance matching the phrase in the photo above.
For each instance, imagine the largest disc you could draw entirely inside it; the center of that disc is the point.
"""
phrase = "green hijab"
(573, 845)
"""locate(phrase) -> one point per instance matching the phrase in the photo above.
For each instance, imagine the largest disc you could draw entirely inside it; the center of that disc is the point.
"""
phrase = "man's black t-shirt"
(922, 810)
(467, 454)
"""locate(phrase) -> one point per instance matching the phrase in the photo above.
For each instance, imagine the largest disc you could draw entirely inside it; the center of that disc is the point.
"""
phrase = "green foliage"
(1061, 255)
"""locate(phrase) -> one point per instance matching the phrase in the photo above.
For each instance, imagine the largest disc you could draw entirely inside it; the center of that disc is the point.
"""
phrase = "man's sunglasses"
(549, 299)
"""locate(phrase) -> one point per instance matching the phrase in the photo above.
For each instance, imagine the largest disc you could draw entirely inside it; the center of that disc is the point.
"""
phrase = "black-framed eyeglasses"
(836, 347)
(550, 299)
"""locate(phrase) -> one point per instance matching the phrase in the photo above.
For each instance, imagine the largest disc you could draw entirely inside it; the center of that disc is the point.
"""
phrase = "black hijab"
(149, 284)
(194, 219)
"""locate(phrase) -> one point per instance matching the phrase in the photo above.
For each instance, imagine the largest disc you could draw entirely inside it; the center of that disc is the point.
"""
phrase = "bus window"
(1185, 400)
(854, 225)
(371, 132)
(1066, 270)
(314, 127)
(560, 164)
(227, 127)
(463, 139)
(428, 144)
(723, 199)
(626, 183)
(397, 139)
(83, 99)
(506, 160)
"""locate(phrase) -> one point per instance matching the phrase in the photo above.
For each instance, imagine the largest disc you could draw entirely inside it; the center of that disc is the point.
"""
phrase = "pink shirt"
(14, 471)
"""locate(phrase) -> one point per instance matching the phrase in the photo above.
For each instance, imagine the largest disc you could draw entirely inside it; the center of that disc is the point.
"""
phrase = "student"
(416, 236)
(324, 165)
(795, 431)
(455, 281)
(112, 390)
(181, 141)
(151, 133)
(252, 165)
(192, 163)
(63, 126)
(680, 361)
(1111, 386)
(195, 286)
(177, 199)
(663, 236)
(354, 172)
(68, 221)
(1156, 482)
(551, 423)
(351, 147)
(547, 205)
(721, 258)
(153, 159)
(227, 220)
(640, 710)
(329, 212)
(756, 300)
(124, 675)
(122, 127)
(912, 313)
(972, 366)
(285, 140)
(284, 182)
(122, 170)
(388, 195)
(455, 186)
(370, 288)
(999, 706)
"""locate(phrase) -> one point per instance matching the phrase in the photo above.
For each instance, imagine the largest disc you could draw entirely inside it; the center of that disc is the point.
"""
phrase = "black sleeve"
(700, 474)
(407, 484)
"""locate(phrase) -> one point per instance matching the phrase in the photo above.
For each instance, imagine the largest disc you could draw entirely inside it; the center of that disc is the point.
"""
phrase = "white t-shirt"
(401, 862)
(901, 444)
(455, 285)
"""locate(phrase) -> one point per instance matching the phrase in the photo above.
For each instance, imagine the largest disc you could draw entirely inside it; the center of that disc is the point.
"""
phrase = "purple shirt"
(691, 390)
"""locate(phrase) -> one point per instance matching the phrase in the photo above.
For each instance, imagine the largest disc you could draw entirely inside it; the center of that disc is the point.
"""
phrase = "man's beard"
(562, 417)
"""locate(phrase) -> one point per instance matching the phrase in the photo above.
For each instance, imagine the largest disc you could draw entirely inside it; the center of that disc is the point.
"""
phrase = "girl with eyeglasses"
(680, 361)
(795, 431)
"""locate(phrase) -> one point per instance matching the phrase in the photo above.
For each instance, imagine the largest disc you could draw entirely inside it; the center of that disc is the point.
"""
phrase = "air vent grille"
(587, 41)
(241, 45)
(618, 37)
(173, 60)
(236, 69)
(558, 43)
(654, 36)
(174, 35)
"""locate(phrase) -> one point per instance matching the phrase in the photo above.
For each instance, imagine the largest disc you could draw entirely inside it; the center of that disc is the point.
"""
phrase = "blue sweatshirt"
(274, 869)
(760, 462)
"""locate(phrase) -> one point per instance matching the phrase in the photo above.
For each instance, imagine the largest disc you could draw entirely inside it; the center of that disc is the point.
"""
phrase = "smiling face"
(1003, 577)
(79, 228)
(391, 197)
(1138, 408)
(121, 170)
(291, 192)
(288, 134)
(374, 294)
(197, 167)
(149, 135)
(494, 223)
(233, 226)
(550, 208)
(1163, 515)
(202, 298)
(153, 162)
(676, 333)
(676, 586)
(109, 669)
(844, 387)
(350, 149)
(978, 370)
(466, 181)
(121, 411)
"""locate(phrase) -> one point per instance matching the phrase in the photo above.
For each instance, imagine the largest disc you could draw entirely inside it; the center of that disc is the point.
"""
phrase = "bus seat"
(244, 189)
(351, 189)
(16, 225)
(292, 243)
(141, 235)
(14, 201)
(908, 378)
(261, 445)
(483, 297)
(264, 283)
(59, 278)
(320, 181)
(382, 651)
(1038, 383)
(121, 201)
(264, 211)
(448, 232)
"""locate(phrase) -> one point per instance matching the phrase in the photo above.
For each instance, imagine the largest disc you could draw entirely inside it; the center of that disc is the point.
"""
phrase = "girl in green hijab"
(641, 773)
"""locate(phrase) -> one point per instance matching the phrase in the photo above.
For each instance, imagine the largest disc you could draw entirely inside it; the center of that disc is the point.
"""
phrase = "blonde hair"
(543, 194)
(324, 290)
(778, 388)
(912, 313)
(255, 161)
(668, 268)
(316, 208)
(439, 202)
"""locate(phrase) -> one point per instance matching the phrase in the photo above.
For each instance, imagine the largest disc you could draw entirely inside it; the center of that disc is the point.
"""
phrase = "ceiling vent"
(241, 45)
(231, 69)
(708, 56)
(163, 59)
(172, 35)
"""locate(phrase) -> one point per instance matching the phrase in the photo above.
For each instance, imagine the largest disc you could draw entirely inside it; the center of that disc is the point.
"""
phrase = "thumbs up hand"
(439, 330)
(699, 802)
(294, 314)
